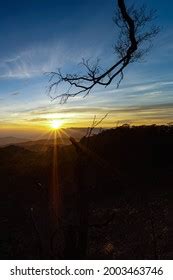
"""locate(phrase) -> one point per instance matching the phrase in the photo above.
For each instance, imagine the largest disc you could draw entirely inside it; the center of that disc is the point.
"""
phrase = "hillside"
(127, 175)
(11, 140)
(43, 145)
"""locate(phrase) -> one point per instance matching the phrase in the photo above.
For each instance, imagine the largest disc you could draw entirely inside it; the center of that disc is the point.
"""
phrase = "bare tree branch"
(95, 124)
(135, 37)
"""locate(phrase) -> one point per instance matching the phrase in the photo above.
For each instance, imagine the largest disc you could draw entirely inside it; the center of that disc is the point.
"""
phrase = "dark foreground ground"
(127, 175)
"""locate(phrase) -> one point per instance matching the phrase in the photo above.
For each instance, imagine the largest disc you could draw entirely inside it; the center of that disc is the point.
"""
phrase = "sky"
(41, 36)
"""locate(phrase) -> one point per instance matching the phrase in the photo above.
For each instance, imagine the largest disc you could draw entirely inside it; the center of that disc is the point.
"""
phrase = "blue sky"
(40, 36)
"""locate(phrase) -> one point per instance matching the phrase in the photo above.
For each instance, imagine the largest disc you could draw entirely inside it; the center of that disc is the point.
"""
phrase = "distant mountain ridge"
(12, 140)
(42, 144)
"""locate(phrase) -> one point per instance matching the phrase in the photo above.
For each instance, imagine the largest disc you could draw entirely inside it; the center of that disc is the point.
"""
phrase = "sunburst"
(56, 124)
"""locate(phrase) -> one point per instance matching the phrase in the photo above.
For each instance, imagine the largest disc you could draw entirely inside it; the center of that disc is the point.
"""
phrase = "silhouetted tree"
(83, 159)
(136, 32)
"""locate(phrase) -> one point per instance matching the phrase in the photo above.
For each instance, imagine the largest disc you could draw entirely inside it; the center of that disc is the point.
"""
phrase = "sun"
(56, 124)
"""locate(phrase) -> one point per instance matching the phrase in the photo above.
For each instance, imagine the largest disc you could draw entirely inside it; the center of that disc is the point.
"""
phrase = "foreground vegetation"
(125, 176)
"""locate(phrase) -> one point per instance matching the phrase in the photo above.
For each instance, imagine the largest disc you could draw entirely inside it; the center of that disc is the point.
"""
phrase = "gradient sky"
(40, 36)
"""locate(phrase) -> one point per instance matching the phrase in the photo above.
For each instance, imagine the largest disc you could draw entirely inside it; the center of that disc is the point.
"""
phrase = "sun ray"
(55, 185)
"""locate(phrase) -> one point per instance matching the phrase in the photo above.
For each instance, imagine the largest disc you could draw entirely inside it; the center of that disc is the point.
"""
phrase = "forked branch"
(134, 41)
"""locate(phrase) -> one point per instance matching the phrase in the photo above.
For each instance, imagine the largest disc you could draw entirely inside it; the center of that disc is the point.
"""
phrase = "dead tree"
(136, 32)
(83, 159)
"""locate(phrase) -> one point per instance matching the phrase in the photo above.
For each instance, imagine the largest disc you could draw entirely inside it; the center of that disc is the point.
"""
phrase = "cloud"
(139, 87)
(82, 115)
(15, 93)
(164, 108)
(38, 120)
(40, 59)
(27, 64)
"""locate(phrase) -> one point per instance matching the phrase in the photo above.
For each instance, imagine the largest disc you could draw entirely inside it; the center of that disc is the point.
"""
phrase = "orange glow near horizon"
(40, 128)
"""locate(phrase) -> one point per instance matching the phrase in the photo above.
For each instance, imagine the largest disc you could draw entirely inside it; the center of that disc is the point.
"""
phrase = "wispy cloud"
(162, 111)
(15, 93)
(38, 120)
(40, 59)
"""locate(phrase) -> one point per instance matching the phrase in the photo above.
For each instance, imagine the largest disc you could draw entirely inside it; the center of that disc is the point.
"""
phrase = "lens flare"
(55, 124)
